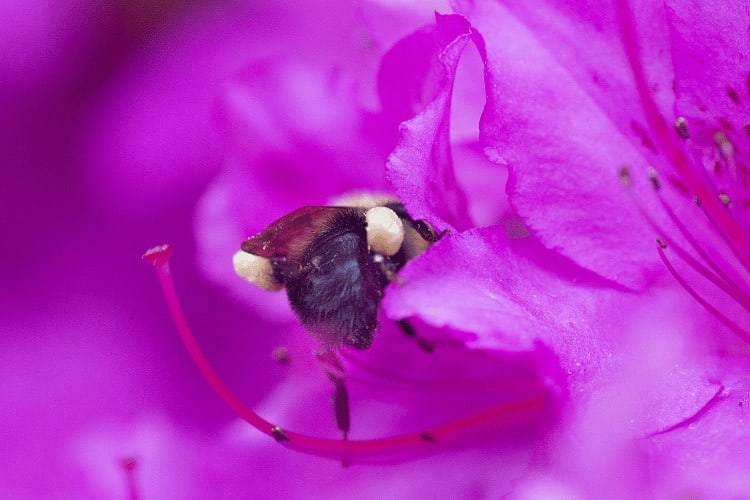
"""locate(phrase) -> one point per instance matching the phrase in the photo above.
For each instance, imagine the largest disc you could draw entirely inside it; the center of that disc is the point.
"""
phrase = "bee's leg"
(389, 271)
(341, 406)
(335, 372)
(408, 330)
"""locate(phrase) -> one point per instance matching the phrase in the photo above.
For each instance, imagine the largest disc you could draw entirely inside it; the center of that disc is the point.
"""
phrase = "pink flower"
(302, 134)
(489, 289)
(568, 360)
(588, 99)
(83, 355)
(104, 152)
(511, 298)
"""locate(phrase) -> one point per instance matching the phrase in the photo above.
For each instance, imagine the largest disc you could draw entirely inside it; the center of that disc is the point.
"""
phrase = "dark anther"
(661, 243)
(409, 331)
(279, 435)
(654, 178)
(724, 144)
(625, 177)
(281, 355)
(341, 406)
(733, 95)
(427, 437)
(406, 328)
(726, 125)
(681, 126)
(697, 201)
(426, 345)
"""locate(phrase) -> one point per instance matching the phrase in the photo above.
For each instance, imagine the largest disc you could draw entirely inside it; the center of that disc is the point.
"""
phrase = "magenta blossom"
(477, 292)
(396, 388)
(567, 362)
(626, 395)
(301, 134)
(82, 356)
(107, 142)
(655, 403)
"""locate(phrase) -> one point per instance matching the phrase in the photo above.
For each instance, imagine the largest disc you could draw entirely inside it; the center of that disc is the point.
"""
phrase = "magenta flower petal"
(622, 382)
(424, 149)
(151, 136)
(652, 385)
(483, 182)
(45, 46)
(423, 390)
(508, 295)
(559, 122)
(298, 139)
(713, 93)
(712, 90)
(451, 382)
(506, 292)
(709, 455)
(242, 458)
(454, 290)
(148, 457)
(307, 118)
(633, 392)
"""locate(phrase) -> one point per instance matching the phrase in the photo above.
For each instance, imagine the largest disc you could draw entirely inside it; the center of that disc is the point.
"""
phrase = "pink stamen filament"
(716, 275)
(128, 465)
(350, 450)
(739, 297)
(720, 274)
(740, 256)
(733, 326)
(664, 136)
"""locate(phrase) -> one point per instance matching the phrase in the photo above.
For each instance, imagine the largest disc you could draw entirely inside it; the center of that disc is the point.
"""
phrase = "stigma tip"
(158, 255)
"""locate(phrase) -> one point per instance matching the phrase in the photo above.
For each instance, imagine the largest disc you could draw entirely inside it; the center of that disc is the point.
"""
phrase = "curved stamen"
(515, 413)
(159, 258)
(664, 136)
(736, 295)
(741, 257)
(661, 245)
(718, 277)
(734, 292)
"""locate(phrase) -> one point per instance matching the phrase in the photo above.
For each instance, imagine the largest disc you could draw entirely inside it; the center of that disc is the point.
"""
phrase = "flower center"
(693, 179)
(504, 416)
(702, 258)
(707, 255)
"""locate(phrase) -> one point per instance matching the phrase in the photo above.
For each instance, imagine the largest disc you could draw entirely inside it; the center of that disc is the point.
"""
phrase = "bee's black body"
(333, 279)
(338, 294)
